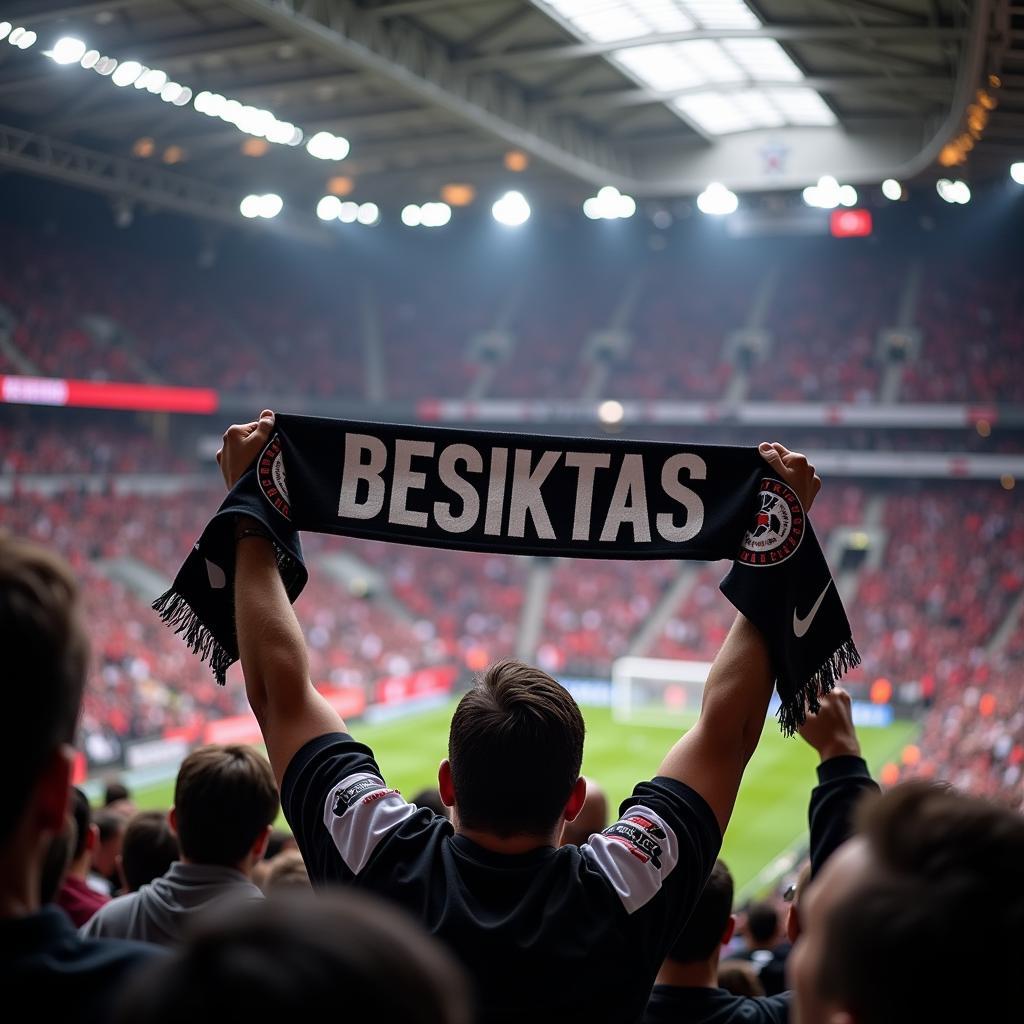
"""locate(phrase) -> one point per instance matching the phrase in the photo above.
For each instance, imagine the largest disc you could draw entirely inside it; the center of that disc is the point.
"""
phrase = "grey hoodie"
(160, 911)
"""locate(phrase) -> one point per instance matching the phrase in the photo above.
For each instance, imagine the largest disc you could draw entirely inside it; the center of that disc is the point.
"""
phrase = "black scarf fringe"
(176, 612)
(807, 698)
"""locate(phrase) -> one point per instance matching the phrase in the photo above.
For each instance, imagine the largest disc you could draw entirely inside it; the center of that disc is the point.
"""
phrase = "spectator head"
(932, 877)
(711, 924)
(115, 792)
(225, 801)
(514, 755)
(86, 833)
(762, 925)
(431, 797)
(300, 957)
(279, 841)
(739, 978)
(150, 847)
(593, 817)
(285, 872)
(110, 825)
(46, 655)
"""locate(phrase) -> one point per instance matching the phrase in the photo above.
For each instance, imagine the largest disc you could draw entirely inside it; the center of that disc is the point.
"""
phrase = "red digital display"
(851, 223)
(92, 394)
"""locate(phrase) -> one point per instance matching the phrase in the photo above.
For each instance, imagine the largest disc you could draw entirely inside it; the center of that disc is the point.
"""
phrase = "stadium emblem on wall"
(270, 473)
(778, 526)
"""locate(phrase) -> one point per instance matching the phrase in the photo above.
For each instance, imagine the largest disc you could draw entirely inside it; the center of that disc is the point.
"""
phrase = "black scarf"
(531, 495)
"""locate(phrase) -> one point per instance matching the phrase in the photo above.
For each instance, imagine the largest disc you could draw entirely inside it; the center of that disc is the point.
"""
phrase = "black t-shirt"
(571, 934)
(49, 973)
(670, 1004)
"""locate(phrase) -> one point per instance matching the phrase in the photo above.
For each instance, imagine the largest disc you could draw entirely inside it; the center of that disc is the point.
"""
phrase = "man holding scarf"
(571, 934)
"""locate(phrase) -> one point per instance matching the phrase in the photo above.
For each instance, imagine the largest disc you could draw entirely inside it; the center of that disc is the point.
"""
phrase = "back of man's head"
(224, 799)
(515, 747)
(115, 792)
(149, 849)
(762, 924)
(702, 937)
(303, 957)
(45, 659)
(934, 878)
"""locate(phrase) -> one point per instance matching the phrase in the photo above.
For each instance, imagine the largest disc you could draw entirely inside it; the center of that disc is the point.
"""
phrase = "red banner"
(93, 394)
(428, 682)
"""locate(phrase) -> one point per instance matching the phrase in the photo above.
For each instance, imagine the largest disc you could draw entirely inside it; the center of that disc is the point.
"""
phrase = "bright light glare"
(1017, 172)
(368, 214)
(609, 204)
(717, 201)
(5, 28)
(153, 81)
(126, 73)
(348, 212)
(411, 216)
(67, 50)
(271, 205)
(953, 191)
(610, 412)
(892, 189)
(328, 207)
(325, 146)
(828, 194)
(511, 209)
(435, 215)
(250, 206)
(90, 59)
(27, 40)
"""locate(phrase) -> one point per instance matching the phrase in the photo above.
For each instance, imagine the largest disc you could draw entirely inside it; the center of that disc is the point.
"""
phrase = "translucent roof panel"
(672, 67)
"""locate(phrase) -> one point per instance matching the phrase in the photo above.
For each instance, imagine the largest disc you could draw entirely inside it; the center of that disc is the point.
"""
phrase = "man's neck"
(245, 867)
(506, 844)
(696, 974)
(79, 869)
(19, 887)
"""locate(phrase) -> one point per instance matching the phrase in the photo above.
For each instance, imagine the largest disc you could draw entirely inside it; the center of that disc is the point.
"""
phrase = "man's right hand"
(242, 443)
(794, 469)
(831, 731)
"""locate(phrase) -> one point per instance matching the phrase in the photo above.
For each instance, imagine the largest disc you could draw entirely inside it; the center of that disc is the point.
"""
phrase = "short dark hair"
(115, 791)
(150, 848)
(45, 659)
(703, 932)
(762, 922)
(223, 799)
(515, 747)
(299, 956)
(945, 887)
(80, 810)
(110, 824)
(59, 853)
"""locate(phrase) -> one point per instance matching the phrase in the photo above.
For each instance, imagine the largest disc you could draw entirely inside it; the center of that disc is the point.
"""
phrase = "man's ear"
(259, 848)
(730, 930)
(793, 923)
(577, 798)
(53, 791)
(172, 819)
(92, 840)
(444, 783)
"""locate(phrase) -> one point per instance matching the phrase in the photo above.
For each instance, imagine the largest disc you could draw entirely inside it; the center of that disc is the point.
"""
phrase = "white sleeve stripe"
(359, 812)
(636, 855)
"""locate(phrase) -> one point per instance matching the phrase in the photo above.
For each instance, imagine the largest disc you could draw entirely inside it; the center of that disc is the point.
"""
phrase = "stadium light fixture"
(610, 413)
(892, 189)
(827, 194)
(954, 191)
(512, 210)
(268, 205)
(717, 200)
(1017, 172)
(348, 212)
(609, 204)
(126, 73)
(368, 214)
(5, 29)
(429, 215)
(328, 208)
(250, 207)
(325, 146)
(411, 216)
(90, 59)
(67, 50)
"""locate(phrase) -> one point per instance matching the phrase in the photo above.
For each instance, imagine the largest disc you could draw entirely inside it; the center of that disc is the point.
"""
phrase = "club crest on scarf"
(778, 525)
(271, 476)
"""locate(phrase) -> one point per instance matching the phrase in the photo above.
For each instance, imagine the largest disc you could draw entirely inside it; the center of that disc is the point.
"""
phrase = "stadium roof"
(658, 97)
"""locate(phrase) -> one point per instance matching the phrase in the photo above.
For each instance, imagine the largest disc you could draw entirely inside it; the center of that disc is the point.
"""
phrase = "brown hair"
(702, 934)
(45, 659)
(223, 799)
(516, 747)
(149, 849)
(946, 887)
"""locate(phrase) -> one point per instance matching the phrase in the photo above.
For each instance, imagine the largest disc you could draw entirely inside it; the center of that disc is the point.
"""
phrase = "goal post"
(657, 691)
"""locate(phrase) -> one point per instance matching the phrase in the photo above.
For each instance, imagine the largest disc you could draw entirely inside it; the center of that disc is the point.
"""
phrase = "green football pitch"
(771, 813)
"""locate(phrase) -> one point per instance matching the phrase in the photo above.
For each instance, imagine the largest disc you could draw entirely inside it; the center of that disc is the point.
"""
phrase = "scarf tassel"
(807, 698)
(177, 613)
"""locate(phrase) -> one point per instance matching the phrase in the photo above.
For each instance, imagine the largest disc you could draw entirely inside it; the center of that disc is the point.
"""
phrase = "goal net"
(657, 691)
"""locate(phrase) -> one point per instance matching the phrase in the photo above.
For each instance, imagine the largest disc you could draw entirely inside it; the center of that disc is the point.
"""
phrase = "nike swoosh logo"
(800, 626)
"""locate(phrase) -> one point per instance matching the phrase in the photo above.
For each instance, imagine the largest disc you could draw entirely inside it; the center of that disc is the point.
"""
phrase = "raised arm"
(273, 652)
(712, 756)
